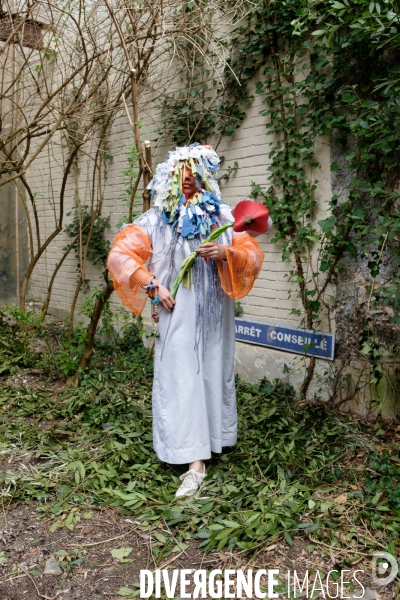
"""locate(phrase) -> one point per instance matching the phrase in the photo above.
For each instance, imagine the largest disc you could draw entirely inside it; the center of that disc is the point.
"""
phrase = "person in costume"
(194, 400)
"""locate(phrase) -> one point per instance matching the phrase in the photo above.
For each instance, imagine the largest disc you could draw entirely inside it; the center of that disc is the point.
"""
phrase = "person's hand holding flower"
(212, 250)
(250, 217)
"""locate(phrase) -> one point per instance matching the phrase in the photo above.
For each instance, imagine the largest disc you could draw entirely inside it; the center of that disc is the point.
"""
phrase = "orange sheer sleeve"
(125, 263)
(242, 266)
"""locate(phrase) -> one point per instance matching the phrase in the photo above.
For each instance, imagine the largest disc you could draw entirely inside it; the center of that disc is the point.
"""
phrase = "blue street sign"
(290, 339)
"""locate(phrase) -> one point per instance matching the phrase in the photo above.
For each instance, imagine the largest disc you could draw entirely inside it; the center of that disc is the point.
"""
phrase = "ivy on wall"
(98, 246)
(325, 68)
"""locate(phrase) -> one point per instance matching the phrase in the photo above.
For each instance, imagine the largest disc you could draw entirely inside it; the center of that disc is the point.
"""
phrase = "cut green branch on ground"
(297, 468)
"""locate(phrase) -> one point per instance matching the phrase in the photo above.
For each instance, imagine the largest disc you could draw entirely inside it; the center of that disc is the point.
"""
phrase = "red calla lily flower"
(251, 217)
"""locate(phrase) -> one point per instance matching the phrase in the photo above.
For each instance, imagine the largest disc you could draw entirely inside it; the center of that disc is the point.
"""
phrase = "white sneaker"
(191, 482)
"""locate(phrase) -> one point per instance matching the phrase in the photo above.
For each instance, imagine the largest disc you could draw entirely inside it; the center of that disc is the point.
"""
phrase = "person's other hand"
(166, 300)
(212, 250)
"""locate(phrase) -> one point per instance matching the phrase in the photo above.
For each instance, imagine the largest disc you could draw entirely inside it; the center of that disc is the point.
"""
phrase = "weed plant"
(118, 346)
(297, 467)
(17, 330)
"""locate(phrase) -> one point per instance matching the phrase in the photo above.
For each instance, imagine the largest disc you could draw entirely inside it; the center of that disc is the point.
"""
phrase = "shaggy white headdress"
(166, 186)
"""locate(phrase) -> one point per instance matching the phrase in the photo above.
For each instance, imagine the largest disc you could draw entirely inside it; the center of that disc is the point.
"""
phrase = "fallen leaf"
(342, 499)
(121, 553)
(222, 556)
(87, 530)
(52, 567)
(353, 487)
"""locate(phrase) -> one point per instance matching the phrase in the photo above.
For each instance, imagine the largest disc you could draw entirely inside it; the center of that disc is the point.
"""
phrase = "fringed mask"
(190, 214)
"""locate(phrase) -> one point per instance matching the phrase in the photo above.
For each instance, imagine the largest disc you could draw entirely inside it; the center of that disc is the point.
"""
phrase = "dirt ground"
(90, 572)
(26, 543)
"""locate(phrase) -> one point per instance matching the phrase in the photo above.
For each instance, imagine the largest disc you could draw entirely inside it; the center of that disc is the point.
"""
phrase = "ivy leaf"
(324, 266)
(348, 96)
(328, 224)
(351, 248)
(366, 349)
(374, 268)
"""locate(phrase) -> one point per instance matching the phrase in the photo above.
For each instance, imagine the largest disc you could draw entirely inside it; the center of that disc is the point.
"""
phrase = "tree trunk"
(91, 332)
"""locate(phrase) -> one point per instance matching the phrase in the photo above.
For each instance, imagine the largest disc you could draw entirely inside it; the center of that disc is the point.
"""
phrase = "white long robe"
(194, 399)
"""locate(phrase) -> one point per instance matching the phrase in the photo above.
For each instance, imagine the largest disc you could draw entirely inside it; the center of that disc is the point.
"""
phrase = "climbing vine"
(318, 83)
(328, 72)
(98, 245)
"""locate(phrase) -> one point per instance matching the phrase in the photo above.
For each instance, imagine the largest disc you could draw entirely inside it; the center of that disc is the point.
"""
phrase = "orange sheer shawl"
(242, 266)
(125, 263)
(132, 249)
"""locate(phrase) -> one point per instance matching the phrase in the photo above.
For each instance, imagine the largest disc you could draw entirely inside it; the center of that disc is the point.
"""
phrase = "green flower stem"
(185, 272)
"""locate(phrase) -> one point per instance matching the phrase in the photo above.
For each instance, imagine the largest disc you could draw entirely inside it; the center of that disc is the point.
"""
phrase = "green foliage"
(119, 349)
(383, 482)
(326, 69)
(285, 467)
(17, 329)
(188, 114)
(121, 553)
(61, 357)
(259, 491)
(316, 87)
(206, 105)
(130, 175)
(230, 171)
(98, 247)
(117, 342)
(238, 309)
(321, 69)
(189, 109)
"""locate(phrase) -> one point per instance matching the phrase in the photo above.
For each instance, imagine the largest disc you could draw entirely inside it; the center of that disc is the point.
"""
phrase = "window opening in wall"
(30, 31)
